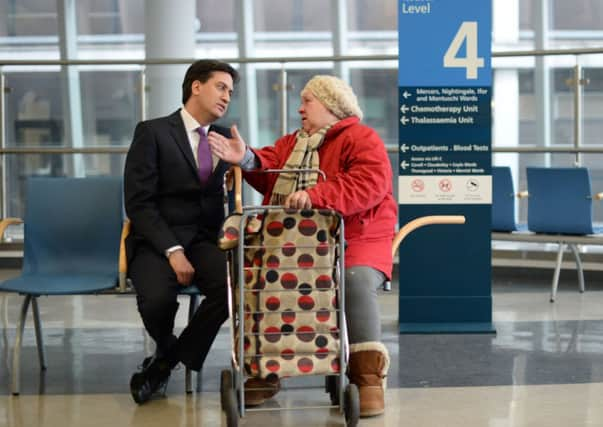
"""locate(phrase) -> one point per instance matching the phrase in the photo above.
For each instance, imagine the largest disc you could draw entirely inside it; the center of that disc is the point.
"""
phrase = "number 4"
(467, 33)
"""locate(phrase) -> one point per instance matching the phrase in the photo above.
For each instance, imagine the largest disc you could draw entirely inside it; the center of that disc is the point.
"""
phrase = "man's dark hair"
(202, 70)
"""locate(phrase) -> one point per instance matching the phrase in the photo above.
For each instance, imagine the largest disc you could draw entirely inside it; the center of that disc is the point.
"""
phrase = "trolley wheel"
(332, 387)
(230, 408)
(225, 386)
(351, 408)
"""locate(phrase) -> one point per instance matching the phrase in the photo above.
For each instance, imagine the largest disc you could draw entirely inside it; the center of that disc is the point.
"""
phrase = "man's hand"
(298, 200)
(230, 150)
(183, 269)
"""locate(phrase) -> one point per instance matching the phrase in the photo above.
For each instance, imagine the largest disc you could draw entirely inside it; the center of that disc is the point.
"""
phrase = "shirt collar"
(190, 124)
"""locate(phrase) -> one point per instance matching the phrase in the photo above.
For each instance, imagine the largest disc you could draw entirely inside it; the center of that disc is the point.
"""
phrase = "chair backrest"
(503, 199)
(560, 200)
(72, 225)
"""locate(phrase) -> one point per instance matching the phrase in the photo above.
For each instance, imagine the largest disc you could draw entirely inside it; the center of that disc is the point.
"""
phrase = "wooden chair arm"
(6, 222)
(234, 178)
(422, 221)
(123, 262)
(238, 189)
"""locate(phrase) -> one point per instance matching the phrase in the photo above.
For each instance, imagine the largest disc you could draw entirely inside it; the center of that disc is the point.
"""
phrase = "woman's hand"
(231, 150)
(298, 200)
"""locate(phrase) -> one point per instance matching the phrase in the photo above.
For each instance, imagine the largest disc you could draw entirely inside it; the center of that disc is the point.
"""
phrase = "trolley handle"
(303, 170)
(234, 178)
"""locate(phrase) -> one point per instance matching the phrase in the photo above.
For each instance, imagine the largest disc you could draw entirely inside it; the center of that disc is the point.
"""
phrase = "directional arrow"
(406, 95)
(404, 120)
(404, 148)
(404, 109)
(404, 164)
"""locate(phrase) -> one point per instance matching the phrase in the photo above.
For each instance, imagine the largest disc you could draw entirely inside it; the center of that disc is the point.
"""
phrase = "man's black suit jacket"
(164, 198)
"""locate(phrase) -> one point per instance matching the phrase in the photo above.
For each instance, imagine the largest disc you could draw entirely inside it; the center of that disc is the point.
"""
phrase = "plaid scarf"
(303, 156)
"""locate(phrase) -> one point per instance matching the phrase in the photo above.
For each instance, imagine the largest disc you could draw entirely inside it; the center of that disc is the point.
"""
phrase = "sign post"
(444, 89)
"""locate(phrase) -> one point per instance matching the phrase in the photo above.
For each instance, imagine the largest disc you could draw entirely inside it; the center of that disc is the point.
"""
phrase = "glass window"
(269, 98)
(581, 15)
(110, 17)
(527, 114)
(110, 107)
(34, 109)
(292, 15)
(526, 16)
(28, 18)
(216, 16)
(378, 98)
(592, 121)
(372, 15)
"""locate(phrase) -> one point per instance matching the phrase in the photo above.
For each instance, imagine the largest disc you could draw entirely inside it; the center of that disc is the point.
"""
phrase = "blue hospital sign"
(444, 42)
(444, 91)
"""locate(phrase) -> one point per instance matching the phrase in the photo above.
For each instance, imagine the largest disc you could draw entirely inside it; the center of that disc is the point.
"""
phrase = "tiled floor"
(544, 367)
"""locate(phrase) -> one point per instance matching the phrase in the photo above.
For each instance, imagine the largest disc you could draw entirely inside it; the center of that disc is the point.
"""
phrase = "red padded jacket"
(358, 185)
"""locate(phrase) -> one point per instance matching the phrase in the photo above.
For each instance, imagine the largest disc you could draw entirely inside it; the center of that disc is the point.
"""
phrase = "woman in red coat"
(359, 186)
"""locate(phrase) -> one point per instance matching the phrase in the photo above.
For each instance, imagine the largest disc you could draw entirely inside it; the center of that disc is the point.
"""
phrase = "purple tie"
(204, 156)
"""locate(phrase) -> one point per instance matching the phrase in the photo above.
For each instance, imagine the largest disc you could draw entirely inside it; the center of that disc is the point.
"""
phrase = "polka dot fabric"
(290, 321)
(228, 237)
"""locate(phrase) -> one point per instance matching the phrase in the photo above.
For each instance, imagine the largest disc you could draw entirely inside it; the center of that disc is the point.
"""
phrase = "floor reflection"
(542, 367)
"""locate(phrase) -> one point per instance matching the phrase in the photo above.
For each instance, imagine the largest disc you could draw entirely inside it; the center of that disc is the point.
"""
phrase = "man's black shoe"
(163, 385)
(154, 376)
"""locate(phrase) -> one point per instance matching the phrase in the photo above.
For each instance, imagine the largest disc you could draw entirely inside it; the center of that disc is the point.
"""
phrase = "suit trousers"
(157, 298)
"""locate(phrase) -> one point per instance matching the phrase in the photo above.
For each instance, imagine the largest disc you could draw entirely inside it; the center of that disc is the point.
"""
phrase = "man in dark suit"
(174, 200)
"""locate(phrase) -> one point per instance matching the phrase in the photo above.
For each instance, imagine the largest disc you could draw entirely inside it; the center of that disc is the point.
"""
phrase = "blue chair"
(560, 203)
(503, 200)
(71, 246)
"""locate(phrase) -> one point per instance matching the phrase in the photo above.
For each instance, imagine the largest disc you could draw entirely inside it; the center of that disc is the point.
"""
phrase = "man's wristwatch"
(173, 249)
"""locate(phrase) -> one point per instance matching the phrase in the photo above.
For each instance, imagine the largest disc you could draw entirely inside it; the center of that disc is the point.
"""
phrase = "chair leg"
(198, 385)
(5, 330)
(574, 249)
(17, 348)
(192, 307)
(197, 301)
(557, 271)
(5, 310)
(38, 329)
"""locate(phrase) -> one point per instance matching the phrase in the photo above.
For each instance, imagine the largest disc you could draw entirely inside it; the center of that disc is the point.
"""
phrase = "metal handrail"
(283, 59)
(540, 149)
(180, 61)
(390, 149)
(65, 150)
(528, 149)
(548, 52)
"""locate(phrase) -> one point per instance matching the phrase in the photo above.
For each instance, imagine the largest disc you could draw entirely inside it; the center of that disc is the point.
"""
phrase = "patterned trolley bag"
(290, 320)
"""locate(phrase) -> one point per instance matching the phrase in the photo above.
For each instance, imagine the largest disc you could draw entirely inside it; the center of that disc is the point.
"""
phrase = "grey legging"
(361, 305)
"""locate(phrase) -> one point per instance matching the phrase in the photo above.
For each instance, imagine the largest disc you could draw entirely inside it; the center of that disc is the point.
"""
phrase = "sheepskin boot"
(367, 368)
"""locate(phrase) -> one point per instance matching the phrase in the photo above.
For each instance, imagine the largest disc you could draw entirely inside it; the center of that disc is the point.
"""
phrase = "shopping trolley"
(287, 314)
